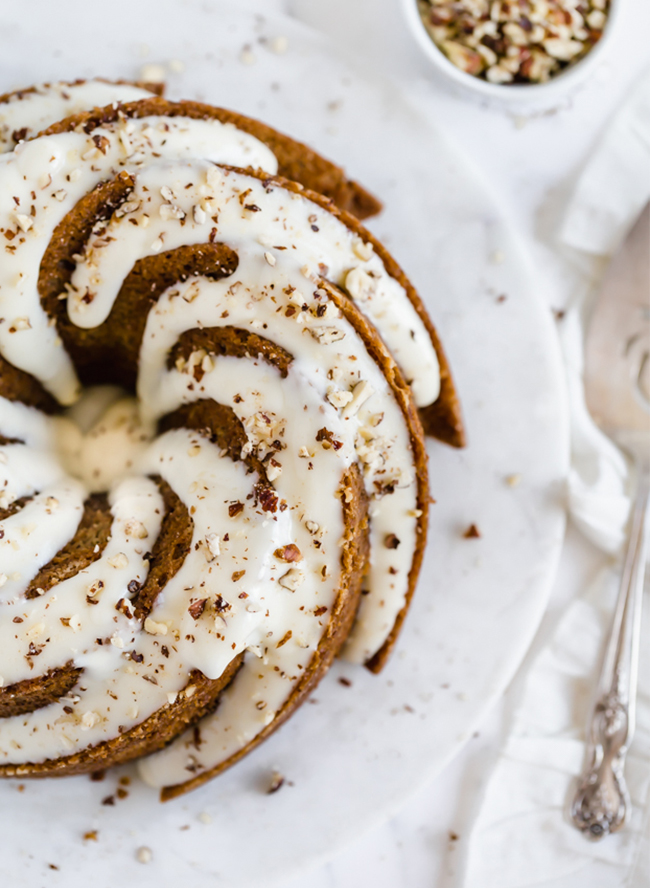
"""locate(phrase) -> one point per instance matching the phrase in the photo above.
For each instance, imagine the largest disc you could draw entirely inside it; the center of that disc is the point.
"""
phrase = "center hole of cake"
(101, 437)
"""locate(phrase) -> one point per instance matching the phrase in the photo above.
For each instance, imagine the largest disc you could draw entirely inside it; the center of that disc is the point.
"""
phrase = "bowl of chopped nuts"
(513, 50)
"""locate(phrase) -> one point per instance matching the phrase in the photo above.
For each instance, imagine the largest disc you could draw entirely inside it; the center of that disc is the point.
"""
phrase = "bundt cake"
(213, 387)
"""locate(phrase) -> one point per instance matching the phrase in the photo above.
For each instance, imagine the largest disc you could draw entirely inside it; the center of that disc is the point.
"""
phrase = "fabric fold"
(612, 188)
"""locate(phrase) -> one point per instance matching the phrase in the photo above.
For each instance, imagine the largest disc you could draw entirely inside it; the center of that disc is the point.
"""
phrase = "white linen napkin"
(522, 836)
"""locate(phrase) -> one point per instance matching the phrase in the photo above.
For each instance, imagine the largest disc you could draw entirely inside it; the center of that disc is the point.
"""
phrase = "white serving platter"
(353, 754)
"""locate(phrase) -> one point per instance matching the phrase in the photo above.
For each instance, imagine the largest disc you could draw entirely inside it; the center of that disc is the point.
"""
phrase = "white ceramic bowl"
(511, 94)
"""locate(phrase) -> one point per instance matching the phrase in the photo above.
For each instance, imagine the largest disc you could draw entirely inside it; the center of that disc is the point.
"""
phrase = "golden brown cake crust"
(34, 693)
(16, 385)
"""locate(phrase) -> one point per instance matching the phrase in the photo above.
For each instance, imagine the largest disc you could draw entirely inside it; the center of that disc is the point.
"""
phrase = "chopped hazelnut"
(154, 628)
(292, 579)
(289, 553)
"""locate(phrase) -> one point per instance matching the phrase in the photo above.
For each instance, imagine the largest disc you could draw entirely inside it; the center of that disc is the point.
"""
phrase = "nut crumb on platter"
(277, 780)
(144, 854)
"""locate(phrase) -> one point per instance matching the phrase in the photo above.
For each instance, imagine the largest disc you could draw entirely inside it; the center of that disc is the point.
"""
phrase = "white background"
(530, 160)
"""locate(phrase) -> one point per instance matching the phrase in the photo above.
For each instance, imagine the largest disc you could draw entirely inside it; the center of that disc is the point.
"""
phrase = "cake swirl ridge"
(260, 467)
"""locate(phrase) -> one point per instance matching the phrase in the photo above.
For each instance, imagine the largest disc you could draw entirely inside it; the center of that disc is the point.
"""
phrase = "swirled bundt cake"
(212, 466)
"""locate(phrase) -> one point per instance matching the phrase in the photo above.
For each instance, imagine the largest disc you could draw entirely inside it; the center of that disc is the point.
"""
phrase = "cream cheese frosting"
(27, 112)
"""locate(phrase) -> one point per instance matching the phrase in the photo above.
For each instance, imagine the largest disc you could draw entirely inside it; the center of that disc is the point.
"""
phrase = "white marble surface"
(531, 161)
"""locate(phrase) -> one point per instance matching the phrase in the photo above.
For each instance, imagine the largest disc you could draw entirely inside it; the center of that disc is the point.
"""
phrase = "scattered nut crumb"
(279, 45)
(292, 579)
(152, 73)
(472, 533)
(289, 553)
(277, 781)
(247, 56)
(154, 628)
(144, 854)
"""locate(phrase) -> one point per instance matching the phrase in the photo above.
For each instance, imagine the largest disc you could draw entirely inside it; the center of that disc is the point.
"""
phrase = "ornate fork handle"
(602, 799)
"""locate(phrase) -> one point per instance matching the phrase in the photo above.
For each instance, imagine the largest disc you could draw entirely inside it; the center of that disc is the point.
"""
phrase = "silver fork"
(617, 385)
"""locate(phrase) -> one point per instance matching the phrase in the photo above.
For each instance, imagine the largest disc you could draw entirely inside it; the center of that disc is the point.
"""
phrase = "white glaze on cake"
(284, 246)
(27, 113)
